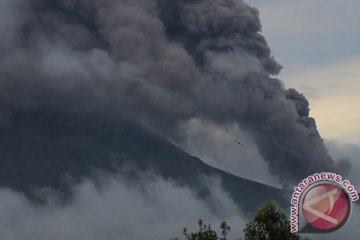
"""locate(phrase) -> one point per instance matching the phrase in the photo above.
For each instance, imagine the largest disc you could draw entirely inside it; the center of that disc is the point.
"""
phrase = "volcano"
(42, 150)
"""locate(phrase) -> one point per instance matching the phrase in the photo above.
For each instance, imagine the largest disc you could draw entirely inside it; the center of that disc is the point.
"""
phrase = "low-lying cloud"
(118, 209)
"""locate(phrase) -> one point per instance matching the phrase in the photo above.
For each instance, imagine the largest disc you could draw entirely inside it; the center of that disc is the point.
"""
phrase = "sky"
(317, 43)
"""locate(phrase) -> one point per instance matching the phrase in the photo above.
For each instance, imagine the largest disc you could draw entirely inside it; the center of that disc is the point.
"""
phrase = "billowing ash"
(162, 62)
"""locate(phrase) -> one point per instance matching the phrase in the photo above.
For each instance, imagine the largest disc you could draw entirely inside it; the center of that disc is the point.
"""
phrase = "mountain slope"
(38, 150)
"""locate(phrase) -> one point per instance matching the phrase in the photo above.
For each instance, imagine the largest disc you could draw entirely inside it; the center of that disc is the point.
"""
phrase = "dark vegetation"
(270, 223)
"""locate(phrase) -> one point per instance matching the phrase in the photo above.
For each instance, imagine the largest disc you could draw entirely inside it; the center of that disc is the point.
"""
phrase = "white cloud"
(152, 210)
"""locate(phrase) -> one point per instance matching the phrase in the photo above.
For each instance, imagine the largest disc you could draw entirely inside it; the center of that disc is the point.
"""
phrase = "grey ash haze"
(163, 63)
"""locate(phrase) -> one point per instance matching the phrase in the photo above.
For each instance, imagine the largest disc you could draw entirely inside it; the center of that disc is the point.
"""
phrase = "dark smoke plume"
(162, 62)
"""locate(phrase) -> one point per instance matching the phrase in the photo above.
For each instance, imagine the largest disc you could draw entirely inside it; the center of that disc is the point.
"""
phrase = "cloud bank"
(151, 209)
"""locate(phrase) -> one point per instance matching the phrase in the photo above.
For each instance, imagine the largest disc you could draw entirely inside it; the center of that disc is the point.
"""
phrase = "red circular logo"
(326, 206)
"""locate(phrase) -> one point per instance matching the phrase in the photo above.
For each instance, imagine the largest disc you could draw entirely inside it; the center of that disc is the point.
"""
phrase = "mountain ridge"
(38, 149)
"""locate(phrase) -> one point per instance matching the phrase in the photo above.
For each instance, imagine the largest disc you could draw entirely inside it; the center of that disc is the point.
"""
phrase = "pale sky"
(318, 43)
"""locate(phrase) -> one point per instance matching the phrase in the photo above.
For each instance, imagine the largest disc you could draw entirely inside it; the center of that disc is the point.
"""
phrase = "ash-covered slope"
(38, 150)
